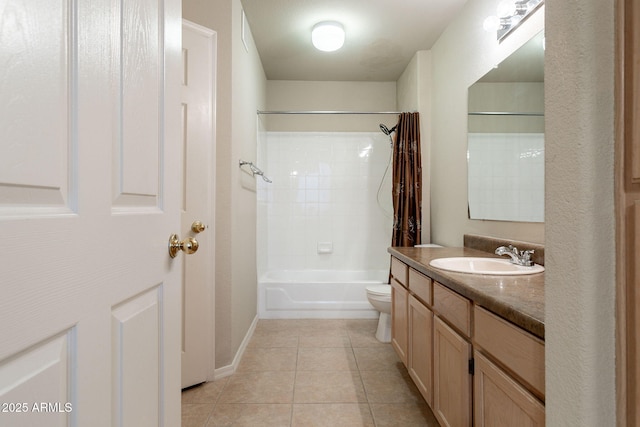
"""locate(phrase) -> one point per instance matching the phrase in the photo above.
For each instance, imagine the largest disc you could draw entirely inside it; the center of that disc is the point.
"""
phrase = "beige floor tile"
(311, 372)
(250, 415)
(328, 387)
(365, 338)
(333, 338)
(377, 358)
(361, 324)
(275, 325)
(259, 387)
(332, 415)
(402, 415)
(269, 359)
(307, 326)
(326, 359)
(195, 414)
(205, 393)
(273, 339)
(390, 387)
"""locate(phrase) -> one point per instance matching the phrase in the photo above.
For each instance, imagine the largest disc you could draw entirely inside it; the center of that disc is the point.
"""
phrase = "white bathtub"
(321, 294)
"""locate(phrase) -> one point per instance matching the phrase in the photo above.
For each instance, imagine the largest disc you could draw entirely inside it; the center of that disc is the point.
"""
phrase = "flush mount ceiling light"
(327, 36)
(508, 16)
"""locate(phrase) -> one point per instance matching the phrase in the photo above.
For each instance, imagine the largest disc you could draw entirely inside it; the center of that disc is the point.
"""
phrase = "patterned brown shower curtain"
(407, 182)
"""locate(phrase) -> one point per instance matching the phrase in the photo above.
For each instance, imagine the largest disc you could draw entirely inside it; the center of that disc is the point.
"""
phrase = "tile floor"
(311, 373)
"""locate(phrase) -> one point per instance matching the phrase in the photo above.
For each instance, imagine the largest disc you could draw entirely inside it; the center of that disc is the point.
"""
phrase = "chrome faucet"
(517, 257)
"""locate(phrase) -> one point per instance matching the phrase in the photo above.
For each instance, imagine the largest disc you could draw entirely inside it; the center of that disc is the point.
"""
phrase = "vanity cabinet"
(412, 324)
(400, 308)
(420, 348)
(451, 357)
(452, 380)
(509, 374)
(471, 366)
(499, 401)
(399, 319)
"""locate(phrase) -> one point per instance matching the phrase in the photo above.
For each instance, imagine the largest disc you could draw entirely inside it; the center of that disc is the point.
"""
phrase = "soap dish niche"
(325, 247)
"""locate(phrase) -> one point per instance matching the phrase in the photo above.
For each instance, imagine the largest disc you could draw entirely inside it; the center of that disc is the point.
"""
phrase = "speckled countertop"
(518, 299)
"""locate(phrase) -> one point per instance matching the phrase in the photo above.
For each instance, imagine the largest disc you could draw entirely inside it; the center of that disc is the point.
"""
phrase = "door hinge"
(471, 366)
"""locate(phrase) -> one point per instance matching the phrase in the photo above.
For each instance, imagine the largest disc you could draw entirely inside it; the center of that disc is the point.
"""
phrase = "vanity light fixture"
(509, 14)
(328, 36)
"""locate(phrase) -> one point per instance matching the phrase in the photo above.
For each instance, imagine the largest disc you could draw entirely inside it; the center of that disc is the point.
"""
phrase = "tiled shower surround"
(322, 211)
(506, 176)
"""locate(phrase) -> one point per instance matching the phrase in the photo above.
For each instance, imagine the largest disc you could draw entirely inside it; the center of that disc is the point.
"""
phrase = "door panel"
(89, 194)
(197, 95)
(420, 349)
(138, 148)
(136, 355)
(499, 401)
(35, 160)
(451, 380)
(399, 319)
(43, 367)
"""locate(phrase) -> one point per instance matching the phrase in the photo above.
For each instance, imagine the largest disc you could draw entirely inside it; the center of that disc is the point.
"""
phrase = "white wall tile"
(508, 177)
(325, 190)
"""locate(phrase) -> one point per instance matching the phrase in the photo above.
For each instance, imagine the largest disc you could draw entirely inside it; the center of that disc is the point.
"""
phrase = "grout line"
(295, 379)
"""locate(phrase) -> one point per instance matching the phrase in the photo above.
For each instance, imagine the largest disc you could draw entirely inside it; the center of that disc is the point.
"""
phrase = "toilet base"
(383, 334)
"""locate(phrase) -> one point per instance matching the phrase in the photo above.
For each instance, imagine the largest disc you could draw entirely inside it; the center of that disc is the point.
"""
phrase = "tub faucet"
(517, 257)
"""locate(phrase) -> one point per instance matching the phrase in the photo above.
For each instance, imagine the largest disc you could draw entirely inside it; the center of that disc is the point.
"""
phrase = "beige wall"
(249, 89)
(463, 54)
(580, 226)
(240, 92)
(414, 89)
(330, 96)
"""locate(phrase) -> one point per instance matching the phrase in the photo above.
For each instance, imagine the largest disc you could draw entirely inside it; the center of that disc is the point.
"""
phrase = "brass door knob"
(188, 245)
(197, 227)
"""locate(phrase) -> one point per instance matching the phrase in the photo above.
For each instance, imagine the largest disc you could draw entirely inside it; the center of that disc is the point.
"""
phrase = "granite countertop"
(518, 299)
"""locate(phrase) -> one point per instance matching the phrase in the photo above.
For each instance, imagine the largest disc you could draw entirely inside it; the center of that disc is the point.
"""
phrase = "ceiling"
(381, 36)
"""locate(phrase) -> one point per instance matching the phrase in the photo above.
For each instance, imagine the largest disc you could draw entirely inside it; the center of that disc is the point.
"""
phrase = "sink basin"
(475, 265)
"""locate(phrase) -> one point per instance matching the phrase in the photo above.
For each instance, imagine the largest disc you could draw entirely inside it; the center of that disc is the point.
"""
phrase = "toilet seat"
(380, 290)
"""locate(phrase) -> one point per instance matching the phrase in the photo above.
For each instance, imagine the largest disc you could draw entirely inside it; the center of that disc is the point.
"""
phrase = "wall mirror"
(505, 144)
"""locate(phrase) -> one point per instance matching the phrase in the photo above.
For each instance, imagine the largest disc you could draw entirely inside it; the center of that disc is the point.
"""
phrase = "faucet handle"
(525, 256)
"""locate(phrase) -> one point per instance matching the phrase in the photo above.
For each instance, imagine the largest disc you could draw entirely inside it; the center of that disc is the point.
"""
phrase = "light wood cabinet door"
(399, 320)
(517, 351)
(499, 401)
(420, 361)
(452, 380)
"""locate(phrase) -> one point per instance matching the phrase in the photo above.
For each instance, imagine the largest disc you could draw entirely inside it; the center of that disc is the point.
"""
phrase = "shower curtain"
(407, 182)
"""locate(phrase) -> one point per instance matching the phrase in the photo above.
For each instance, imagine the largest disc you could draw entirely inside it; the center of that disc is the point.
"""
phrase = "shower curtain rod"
(328, 112)
(504, 113)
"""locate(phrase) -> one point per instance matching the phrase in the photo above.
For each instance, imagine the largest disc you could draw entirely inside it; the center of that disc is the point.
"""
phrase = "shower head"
(386, 130)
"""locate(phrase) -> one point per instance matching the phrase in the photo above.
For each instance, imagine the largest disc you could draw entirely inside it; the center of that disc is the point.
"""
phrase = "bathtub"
(321, 294)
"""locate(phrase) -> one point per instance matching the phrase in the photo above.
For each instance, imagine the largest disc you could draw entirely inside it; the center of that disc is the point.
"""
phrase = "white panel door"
(89, 194)
(197, 95)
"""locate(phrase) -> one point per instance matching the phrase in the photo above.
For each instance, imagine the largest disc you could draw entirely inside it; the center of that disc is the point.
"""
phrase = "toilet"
(380, 298)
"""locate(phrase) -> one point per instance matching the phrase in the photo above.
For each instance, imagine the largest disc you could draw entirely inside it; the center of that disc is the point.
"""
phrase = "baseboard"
(228, 370)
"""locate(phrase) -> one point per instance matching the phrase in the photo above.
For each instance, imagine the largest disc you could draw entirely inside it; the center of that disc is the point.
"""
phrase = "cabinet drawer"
(455, 308)
(420, 285)
(516, 349)
(400, 271)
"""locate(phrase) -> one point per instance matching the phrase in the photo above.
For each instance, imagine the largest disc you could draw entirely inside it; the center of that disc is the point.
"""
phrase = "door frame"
(627, 204)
